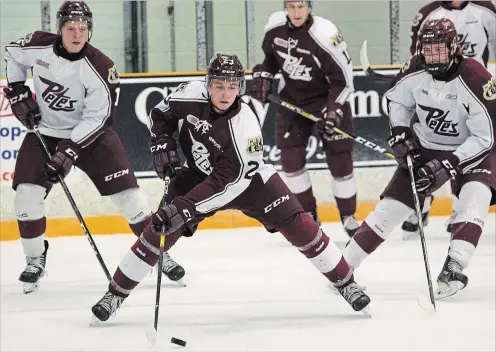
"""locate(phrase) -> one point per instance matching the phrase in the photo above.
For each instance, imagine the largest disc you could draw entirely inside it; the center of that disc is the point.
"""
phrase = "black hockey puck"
(178, 342)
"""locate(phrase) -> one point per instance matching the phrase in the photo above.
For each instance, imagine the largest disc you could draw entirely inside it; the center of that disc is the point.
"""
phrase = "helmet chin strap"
(216, 109)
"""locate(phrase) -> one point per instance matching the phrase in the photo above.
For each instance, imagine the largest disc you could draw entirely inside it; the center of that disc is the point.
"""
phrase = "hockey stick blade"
(364, 61)
(426, 304)
(151, 336)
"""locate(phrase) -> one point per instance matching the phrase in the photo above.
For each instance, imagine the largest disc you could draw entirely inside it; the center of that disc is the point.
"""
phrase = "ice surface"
(249, 290)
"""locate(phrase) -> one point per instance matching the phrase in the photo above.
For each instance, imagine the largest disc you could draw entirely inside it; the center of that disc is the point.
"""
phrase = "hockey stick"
(152, 334)
(364, 60)
(75, 208)
(422, 301)
(313, 118)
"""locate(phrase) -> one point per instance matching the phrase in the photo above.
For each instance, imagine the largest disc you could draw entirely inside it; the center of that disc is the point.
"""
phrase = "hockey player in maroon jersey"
(314, 61)
(77, 92)
(442, 110)
(222, 142)
(475, 23)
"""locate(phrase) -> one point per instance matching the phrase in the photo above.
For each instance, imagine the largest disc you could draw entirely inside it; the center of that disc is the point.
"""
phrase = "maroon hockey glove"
(332, 117)
(261, 84)
(436, 173)
(173, 216)
(402, 142)
(62, 160)
(164, 154)
(23, 106)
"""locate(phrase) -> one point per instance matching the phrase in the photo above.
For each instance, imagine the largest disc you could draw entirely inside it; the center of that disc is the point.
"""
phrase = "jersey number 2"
(254, 166)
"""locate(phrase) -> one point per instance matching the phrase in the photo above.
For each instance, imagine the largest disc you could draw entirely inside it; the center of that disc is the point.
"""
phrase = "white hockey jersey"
(475, 23)
(457, 115)
(77, 93)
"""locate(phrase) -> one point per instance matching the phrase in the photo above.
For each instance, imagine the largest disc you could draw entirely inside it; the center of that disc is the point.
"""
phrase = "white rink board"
(250, 291)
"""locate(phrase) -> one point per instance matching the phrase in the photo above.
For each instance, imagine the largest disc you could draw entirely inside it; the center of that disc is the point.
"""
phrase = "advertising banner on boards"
(140, 94)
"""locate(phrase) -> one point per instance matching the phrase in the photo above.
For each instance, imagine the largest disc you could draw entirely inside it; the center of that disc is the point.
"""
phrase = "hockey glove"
(261, 84)
(62, 160)
(172, 217)
(164, 154)
(435, 173)
(23, 106)
(402, 142)
(332, 117)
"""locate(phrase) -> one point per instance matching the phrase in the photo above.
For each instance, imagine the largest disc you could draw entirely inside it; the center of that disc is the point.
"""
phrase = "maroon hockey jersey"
(313, 60)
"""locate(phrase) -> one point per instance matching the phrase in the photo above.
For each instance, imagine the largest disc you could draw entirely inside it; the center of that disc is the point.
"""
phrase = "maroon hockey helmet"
(74, 11)
(439, 31)
(227, 68)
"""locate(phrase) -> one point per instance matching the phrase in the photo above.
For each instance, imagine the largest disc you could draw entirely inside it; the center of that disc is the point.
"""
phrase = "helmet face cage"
(437, 32)
(239, 80)
(226, 68)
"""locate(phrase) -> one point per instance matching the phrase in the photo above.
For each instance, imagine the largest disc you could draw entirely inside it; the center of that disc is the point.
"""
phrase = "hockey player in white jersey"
(475, 23)
(222, 142)
(442, 110)
(77, 92)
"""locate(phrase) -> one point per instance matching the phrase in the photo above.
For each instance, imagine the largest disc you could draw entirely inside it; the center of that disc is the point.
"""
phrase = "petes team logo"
(54, 96)
(436, 119)
(113, 76)
(489, 89)
(468, 48)
(255, 145)
(293, 67)
(202, 125)
(200, 154)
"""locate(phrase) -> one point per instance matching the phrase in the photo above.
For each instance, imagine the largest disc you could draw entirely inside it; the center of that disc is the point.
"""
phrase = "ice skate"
(172, 269)
(33, 272)
(411, 226)
(451, 279)
(354, 295)
(106, 307)
(350, 224)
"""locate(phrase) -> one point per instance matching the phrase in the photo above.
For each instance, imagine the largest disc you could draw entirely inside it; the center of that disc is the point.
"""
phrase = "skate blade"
(28, 287)
(426, 304)
(446, 290)
(151, 336)
(94, 321)
(180, 283)
(366, 311)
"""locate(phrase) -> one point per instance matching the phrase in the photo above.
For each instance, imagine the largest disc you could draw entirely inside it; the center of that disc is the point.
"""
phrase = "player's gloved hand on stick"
(164, 154)
(402, 142)
(62, 160)
(436, 173)
(261, 84)
(173, 216)
(23, 106)
(332, 116)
